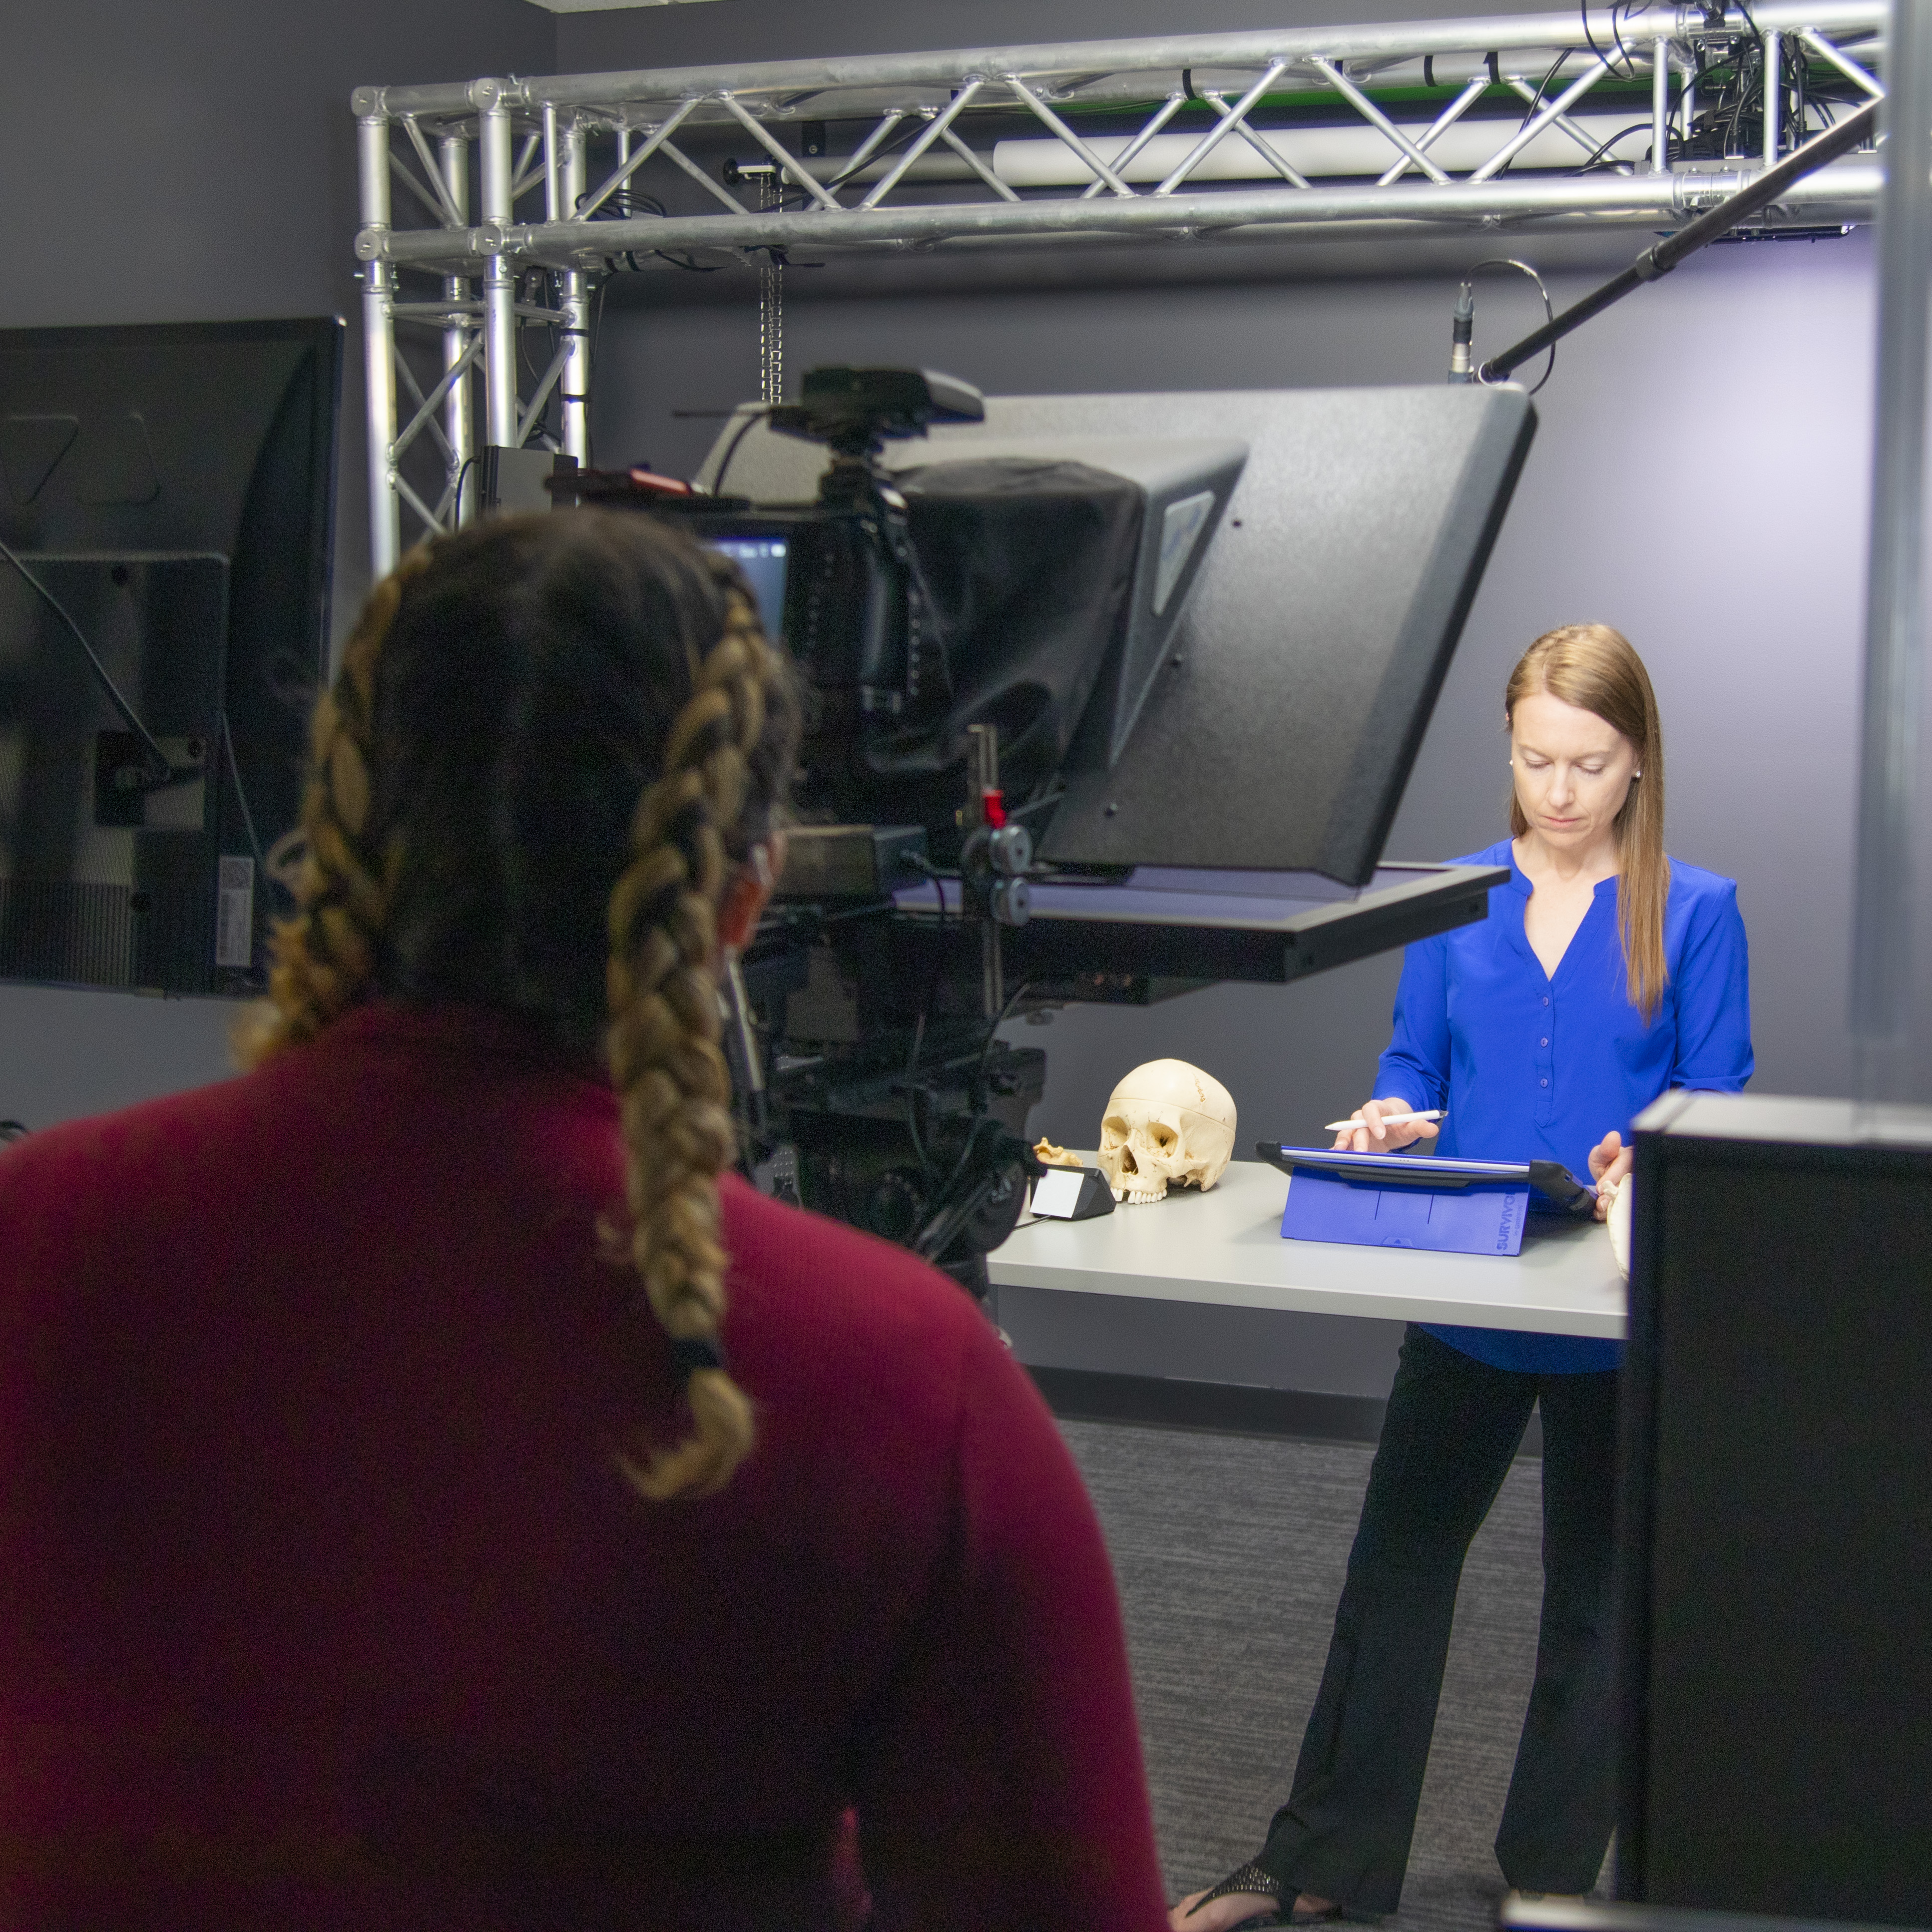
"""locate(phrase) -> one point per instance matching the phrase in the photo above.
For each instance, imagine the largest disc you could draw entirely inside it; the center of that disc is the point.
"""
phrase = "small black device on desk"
(1071, 1194)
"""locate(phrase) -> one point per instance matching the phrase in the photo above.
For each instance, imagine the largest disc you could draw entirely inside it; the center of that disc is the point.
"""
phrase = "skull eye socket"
(1114, 1131)
(1163, 1137)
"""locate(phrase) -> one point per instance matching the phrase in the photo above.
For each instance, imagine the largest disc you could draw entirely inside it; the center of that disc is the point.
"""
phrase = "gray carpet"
(1230, 1552)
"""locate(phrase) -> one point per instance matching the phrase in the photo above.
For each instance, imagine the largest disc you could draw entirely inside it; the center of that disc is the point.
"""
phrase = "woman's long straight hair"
(1595, 668)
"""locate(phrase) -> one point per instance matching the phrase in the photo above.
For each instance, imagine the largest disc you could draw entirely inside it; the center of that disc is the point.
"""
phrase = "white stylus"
(1389, 1120)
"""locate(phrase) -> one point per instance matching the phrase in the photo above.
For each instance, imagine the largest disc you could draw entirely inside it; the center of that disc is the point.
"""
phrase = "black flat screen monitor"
(167, 491)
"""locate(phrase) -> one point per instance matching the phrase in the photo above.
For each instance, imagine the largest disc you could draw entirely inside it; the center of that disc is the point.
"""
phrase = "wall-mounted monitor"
(166, 500)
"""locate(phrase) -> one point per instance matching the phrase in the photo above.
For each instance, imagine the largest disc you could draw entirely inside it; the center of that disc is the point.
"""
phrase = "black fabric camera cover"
(1029, 564)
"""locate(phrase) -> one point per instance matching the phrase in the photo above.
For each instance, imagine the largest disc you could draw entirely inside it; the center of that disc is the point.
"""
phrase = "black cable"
(1616, 36)
(1623, 7)
(456, 497)
(241, 800)
(1542, 87)
(623, 206)
(798, 199)
(890, 146)
(744, 430)
(1602, 148)
(931, 871)
(1024, 987)
(915, 1093)
(1523, 268)
(162, 769)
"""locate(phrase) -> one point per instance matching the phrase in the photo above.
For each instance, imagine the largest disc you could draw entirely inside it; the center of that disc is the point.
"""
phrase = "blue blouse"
(1531, 1067)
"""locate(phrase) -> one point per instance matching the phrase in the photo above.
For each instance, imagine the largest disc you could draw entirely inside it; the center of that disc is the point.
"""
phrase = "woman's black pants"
(1453, 1427)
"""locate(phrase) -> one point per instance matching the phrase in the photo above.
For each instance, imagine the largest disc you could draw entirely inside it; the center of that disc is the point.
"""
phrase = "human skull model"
(1166, 1123)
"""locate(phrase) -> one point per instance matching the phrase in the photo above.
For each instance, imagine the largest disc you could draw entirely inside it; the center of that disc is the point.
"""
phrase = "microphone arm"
(1660, 257)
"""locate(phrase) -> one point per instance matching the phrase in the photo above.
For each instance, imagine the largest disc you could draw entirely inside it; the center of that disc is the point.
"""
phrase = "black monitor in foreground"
(1777, 1539)
(166, 495)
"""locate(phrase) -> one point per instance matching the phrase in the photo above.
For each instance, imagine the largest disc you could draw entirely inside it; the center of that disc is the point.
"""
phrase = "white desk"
(1225, 1248)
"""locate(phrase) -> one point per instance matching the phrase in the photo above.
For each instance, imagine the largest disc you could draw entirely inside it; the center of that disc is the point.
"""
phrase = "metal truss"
(1417, 129)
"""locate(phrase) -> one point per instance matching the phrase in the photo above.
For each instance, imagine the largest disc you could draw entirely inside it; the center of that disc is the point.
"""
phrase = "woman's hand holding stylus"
(1385, 1125)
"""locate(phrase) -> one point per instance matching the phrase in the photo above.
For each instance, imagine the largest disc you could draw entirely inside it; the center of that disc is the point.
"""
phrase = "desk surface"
(1226, 1246)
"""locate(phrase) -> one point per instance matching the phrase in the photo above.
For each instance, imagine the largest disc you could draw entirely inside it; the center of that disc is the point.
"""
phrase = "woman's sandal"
(1250, 1877)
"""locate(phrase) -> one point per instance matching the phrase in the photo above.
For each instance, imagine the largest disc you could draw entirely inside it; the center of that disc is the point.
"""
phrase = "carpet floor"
(1230, 1552)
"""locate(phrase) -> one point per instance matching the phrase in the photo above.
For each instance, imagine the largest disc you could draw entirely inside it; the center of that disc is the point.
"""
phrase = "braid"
(665, 1062)
(325, 957)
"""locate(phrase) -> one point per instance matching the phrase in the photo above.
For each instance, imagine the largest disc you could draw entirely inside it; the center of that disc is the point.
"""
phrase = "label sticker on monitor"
(1181, 530)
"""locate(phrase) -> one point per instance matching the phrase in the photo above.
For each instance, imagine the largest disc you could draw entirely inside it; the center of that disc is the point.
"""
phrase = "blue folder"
(1390, 1200)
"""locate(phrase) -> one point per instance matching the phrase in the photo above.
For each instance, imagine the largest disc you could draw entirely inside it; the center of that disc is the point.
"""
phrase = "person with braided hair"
(435, 1491)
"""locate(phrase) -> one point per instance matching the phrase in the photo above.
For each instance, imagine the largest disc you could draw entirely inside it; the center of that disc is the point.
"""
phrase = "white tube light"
(1351, 150)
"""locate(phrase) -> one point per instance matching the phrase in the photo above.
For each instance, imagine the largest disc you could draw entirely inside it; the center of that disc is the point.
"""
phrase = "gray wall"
(741, 30)
(196, 162)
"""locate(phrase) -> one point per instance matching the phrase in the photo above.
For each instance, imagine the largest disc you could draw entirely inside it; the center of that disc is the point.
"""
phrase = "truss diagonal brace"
(978, 167)
(1849, 68)
(1530, 128)
(1166, 112)
(1443, 122)
(788, 164)
(422, 195)
(1375, 117)
(933, 130)
(717, 189)
(425, 416)
(1292, 176)
(1066, 134)
(639, 156)
(446, 209)
(1230, 118)
(527, 421)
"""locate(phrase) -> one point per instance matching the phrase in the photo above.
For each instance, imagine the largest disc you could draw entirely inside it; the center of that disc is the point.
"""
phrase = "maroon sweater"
(323, 1604)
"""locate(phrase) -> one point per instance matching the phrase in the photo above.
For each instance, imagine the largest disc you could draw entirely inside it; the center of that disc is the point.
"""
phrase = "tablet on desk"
(1419, 1200)
(1557, 1190)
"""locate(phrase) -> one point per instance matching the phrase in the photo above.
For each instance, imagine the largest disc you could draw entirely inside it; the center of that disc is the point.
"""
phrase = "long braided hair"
(551, 741)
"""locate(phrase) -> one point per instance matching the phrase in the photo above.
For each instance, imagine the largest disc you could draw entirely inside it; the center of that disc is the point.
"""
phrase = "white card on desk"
(1056, 1195)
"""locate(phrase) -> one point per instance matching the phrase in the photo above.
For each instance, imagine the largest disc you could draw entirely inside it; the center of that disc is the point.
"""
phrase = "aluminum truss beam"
(1393, 131)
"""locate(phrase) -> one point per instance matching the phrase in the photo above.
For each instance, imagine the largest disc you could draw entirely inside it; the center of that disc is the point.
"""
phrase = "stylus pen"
(1389, 1120)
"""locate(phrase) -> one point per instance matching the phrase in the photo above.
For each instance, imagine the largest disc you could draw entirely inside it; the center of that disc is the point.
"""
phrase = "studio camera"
(1106, 698)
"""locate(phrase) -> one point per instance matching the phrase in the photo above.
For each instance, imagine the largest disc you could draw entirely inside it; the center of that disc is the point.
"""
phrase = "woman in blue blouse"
(1606, 974)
